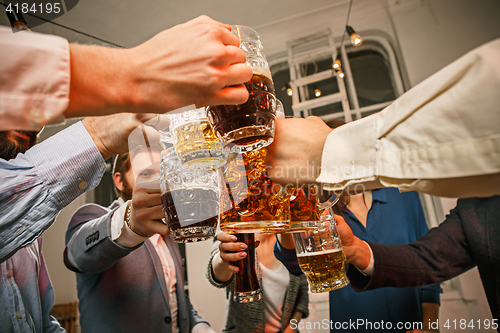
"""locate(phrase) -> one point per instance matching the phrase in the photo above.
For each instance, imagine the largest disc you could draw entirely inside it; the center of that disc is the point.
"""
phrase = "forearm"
(294, 322)
(100, 81)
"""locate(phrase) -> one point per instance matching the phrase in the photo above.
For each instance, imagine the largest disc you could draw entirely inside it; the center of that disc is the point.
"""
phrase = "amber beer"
(191, 213)
(251, 201)
(246, 288)
(250, 125)
(325, 270)
(197, 145)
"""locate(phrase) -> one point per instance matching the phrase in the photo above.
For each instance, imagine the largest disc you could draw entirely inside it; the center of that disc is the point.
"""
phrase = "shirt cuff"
(349, 154)
(368, 271)
(120, 232)
(39, 94)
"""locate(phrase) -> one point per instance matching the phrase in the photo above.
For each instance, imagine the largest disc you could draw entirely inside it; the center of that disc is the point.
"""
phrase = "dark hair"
(121, 165)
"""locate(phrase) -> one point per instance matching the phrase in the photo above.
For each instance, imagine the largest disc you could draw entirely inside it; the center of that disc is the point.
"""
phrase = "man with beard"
(36, 182)
(128, 281)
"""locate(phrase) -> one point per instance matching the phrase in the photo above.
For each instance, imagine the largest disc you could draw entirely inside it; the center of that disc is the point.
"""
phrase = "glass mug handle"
(166, 137)
(328, 203)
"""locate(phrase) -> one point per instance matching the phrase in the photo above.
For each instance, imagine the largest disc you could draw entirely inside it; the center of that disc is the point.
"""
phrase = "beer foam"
(307, 254)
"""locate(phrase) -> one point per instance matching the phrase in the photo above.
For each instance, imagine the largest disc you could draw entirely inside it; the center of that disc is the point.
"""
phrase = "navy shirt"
(394, 218)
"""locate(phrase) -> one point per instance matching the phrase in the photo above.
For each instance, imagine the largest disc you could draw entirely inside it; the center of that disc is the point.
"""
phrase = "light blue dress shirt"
(34, 187)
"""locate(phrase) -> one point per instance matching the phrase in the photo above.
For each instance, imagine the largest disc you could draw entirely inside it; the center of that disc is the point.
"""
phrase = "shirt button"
(168, 319)
(18, 315)
(82, 185)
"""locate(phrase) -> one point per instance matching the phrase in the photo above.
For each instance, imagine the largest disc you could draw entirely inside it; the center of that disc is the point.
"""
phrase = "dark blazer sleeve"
(89, 248)
(444, 252)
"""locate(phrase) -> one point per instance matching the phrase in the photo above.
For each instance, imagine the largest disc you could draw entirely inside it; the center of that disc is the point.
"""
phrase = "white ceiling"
(129, 23)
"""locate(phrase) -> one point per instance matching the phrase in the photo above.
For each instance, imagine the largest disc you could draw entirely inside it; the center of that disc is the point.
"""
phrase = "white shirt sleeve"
(442, 130)
(120, 233)
(34, 79)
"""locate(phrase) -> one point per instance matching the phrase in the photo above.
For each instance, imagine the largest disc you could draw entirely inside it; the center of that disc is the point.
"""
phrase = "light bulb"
(356, 39)
(336, 64)
(317, 92)
(289, 91)
(340, 73)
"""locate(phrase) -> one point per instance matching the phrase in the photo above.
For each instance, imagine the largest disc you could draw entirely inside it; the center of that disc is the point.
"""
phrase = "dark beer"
(191, 213)
(247, 287)
(248, 123)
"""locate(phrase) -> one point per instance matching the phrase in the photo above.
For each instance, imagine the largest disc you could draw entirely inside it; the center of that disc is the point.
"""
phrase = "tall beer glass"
(246, 284)
(250, 201)
(320, 256)
(190, 199)
(249, 126)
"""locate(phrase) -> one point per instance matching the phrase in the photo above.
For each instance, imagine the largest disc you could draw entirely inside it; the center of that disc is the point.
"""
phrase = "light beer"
(325, 270)
(251, 201)
(197, 146)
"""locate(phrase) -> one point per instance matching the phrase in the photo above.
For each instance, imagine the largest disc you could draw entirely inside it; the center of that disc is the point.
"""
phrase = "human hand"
(295, 155)
(355, 250)
(230, 251)
(198, 62)
(147, 213)
(121, 132)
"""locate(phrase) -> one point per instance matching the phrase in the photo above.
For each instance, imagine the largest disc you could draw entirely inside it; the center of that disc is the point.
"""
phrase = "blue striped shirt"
(34, 187)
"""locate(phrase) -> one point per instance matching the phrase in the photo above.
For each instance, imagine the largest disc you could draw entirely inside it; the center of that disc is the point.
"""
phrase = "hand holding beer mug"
(249, 126)
(320, 256)
(194, 140)
(190, 199)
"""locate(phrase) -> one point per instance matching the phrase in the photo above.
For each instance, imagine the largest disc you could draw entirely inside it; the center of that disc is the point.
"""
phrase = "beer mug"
(306, 207)
(250, 200)
(320, 256)
(194, 140)
(246, 284)
(190, 199)
(249, 126)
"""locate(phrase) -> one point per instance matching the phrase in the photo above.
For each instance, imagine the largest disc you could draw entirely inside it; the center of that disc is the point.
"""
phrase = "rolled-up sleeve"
(34, 79)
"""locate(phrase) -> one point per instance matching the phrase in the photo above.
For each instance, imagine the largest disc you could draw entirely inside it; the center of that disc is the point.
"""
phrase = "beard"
(126, 192)
(15, 142)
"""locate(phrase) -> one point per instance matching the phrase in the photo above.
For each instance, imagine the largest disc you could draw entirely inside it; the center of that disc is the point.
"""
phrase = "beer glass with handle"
(249, 126)
(194, 140)
(190, 199)
(320, 256)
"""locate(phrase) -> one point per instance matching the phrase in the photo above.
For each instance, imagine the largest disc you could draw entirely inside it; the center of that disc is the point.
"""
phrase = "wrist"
(100, 86)
(128, 218)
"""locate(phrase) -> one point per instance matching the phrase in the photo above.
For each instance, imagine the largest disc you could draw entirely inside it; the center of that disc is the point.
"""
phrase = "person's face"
(15, 142)
(144, 167)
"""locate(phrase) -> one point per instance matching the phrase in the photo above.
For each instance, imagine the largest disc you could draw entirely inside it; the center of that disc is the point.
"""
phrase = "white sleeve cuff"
(369, 269)
(120, 233)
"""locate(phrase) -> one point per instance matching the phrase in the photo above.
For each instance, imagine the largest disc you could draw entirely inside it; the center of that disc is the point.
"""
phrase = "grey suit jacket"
(122, 289)
(469, 237)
